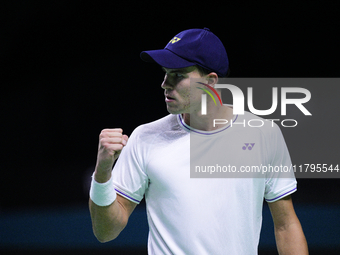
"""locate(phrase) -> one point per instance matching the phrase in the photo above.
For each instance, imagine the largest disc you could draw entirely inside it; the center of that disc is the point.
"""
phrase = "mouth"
(169, 98)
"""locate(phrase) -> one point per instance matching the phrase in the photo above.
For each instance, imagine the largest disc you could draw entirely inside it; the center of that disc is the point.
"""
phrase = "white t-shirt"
(202, 215)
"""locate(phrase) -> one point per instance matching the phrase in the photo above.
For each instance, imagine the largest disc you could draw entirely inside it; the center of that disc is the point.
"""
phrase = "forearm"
(107, 221)
(291, 240)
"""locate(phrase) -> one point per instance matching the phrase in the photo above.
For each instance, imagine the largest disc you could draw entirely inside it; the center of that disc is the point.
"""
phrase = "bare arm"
(289, 235)
(109, 221)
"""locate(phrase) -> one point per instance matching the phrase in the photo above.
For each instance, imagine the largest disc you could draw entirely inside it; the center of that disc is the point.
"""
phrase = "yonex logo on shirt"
(248, 146)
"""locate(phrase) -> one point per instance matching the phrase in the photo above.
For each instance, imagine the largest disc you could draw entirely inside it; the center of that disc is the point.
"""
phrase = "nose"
(166, 84)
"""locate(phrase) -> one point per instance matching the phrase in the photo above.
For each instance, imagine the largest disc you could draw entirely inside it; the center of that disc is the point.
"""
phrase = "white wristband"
(102, 194)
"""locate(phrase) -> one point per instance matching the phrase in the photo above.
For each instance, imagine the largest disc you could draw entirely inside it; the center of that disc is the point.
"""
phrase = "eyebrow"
(174, 71)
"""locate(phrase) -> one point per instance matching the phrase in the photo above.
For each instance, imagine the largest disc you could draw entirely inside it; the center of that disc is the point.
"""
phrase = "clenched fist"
(111, 143)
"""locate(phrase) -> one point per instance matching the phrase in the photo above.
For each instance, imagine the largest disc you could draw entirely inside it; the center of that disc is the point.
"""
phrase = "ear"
(212, 79)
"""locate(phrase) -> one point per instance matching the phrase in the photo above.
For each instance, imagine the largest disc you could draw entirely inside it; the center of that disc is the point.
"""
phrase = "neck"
(206, 122)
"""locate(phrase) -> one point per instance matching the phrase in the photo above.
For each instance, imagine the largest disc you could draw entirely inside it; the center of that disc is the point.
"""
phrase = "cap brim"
(165, 58)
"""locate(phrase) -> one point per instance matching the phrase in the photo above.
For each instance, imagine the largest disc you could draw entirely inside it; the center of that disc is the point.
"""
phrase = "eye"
(179, 75)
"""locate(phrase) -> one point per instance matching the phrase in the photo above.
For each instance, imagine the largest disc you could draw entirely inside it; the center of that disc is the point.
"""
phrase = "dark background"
(71, 68)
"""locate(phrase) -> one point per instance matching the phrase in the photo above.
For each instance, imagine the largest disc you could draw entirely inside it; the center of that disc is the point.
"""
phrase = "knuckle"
(103, 133)
(111, 142)
(111, 132)
(118, 146)
(102, 140)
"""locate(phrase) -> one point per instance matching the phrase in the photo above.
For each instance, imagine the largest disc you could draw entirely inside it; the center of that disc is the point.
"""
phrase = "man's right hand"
(109, 221)
(111, 143)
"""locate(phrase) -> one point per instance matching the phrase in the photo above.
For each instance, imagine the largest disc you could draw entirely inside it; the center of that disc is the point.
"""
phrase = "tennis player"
(194, 215)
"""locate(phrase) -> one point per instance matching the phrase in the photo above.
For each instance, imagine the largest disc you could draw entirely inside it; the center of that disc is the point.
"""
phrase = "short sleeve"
(280, 181)
(128, 174)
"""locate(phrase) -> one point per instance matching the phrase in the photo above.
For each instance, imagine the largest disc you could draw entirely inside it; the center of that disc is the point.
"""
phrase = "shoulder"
(158, 128)
(163, 124)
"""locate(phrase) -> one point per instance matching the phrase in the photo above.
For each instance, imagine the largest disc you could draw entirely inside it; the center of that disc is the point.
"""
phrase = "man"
(193, 215)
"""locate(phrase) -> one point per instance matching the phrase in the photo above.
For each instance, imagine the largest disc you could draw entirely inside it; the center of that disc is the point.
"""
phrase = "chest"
(172, 164)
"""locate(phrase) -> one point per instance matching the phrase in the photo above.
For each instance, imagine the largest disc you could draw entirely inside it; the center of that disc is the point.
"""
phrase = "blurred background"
(71, 68)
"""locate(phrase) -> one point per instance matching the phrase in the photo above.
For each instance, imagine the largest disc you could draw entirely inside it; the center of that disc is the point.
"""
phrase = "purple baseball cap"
(191, 47)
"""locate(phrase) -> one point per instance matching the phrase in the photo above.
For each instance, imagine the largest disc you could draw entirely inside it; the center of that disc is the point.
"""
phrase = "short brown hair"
(204, 71)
